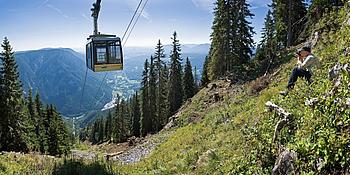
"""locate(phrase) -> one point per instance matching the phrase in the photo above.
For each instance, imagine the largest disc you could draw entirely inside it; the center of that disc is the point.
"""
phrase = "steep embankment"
(227, 130)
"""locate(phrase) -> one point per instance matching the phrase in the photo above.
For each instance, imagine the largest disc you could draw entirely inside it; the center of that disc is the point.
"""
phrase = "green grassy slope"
(235, 135)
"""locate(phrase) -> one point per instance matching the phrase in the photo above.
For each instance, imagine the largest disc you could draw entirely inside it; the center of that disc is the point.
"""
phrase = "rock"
(337, 100)
(284, 163)
(346, 104)
(195, 118)
(334, 72)
(280, 111)
(217, 97)
(213, 86)
(132, 141)
(320, 164)
(108, 156)
(346, 68)
(285, 118)
(205, 157)
(311, 102)
(347, 51)
(170, 124)
(83, 155)
(348, 22)
(279, 126)
(314, 40)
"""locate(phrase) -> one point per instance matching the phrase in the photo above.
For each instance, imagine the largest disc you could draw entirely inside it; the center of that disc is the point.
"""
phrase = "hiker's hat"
(305, 48)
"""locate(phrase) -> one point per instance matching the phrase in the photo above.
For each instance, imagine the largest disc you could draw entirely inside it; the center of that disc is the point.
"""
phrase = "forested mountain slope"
(58, 75)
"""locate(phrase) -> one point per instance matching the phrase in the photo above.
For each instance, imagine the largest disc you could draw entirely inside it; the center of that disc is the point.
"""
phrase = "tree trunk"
(290, 32)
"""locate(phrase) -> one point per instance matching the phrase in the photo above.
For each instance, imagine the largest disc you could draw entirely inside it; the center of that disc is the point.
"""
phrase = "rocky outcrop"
(285, 117)
(205, 158)
(76, 154)
(285, 163)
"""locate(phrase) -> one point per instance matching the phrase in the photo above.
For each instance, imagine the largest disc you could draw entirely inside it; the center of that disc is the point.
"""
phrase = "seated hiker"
(306, 61)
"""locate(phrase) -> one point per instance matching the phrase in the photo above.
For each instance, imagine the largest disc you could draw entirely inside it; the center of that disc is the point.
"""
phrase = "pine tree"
(188, 81)
(316, 10)
(231, 39)
(40, 131)
(244, 32)
(175, 94)
(319, 7)
(146, 121)
(127, 118)
(14, 122)
(166, 104)
(62, 134)
(47, 119)
(121, 121)
(267, 47)
(52, 131)
(205, 77)
(34, 119)
(93, 131)
(196, 85)
(289, 16)
(153, 96)
(58, 134)
(108, 126)
(31, 106)
(2, 100)
(219, 52)
(100, 131)
(136, 116)
(162, 77)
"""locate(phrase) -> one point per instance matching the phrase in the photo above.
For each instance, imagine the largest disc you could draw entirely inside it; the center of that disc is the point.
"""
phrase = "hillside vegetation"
(235, 135)
(226, 129)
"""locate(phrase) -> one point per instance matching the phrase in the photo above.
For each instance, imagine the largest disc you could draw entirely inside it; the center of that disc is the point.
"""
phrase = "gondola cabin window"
(88, 56)
(104, 53)
(114, 53)
(101, 55)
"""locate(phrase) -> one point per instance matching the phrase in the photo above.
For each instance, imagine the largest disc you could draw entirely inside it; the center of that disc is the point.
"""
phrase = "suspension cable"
(144, 5)
(82, 92)
(132, 19)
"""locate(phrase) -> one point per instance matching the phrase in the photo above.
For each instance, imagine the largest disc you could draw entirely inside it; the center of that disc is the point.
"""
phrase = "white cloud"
(87, 18)
(43, 3)
(57, 10)
(204, 4)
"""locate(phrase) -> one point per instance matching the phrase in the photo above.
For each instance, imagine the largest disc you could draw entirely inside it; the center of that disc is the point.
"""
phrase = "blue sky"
(35, 24)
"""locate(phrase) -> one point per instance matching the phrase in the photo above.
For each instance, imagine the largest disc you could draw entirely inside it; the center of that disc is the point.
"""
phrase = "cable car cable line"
(144, 5)
(133, 16)
(99, 88)
(82, 92)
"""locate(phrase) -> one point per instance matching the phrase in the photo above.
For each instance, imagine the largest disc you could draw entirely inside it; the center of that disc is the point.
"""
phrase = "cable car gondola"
(103, 52)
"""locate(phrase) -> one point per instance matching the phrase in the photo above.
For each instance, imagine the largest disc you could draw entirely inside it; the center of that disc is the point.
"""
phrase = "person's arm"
(310, 60)
(299, 61)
